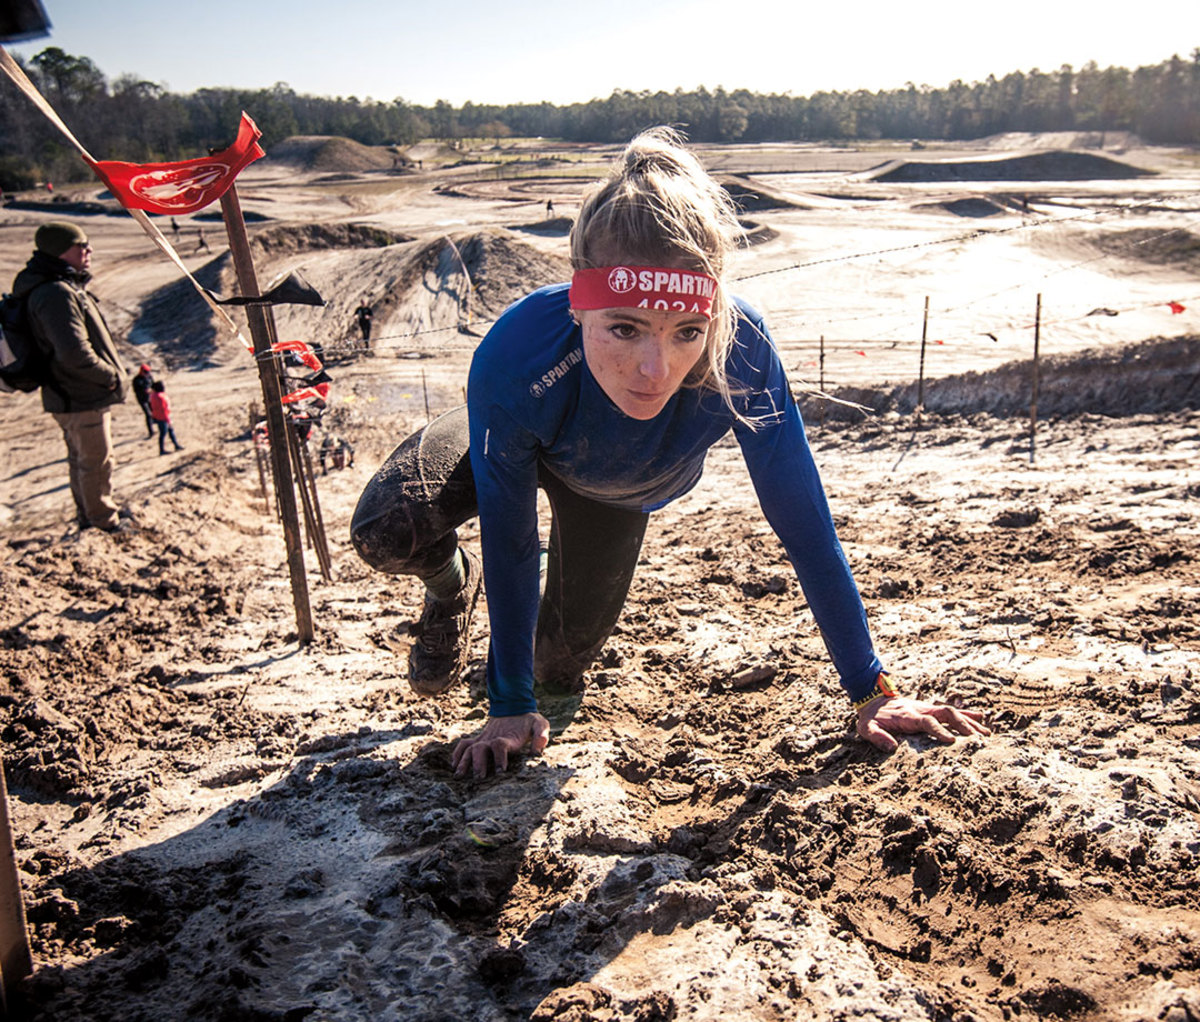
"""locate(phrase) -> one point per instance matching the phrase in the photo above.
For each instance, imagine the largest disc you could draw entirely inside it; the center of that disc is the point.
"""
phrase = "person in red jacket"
(160, 410)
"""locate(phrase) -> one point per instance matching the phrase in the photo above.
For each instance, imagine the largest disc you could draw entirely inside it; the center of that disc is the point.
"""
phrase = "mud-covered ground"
(215, 823)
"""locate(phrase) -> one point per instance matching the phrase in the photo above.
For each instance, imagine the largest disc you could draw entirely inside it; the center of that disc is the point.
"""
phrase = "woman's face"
(640, 357)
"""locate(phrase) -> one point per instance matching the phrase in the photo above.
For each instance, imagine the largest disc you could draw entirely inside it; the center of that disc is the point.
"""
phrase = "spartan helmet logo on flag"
(178, 188)
(184, 187)
(622, 280)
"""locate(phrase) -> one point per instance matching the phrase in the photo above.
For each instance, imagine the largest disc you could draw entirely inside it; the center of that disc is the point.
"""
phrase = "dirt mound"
(68, 207)
(754, 198)
(553, 227)
(427, 291)
(331, 154)
(1049, 166)
(1024, 140)
(178, 323)
(757, 234)
(293, 238)
(1152, 377)
(1178, 248)
(975, 206)
(504, 269)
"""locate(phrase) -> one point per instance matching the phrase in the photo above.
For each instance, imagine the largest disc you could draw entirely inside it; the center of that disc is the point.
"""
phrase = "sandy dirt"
(215, 823)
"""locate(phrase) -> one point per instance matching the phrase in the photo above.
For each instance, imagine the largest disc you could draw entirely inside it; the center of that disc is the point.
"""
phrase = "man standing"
(86, 375)
(364, 315)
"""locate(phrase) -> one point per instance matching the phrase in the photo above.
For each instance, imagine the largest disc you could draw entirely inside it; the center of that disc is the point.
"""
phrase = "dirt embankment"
(1156, 376)
(412, 286)
(331, 154)
(1050, 166)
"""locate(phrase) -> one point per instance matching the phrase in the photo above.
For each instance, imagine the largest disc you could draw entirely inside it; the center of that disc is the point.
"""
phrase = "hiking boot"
(441, 638)
(120, 526)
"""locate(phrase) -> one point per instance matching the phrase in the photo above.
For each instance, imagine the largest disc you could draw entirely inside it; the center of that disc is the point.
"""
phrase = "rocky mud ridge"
(215, 824)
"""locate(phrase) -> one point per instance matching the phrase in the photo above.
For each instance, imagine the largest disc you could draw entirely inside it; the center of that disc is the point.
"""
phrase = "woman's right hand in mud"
(499, 737)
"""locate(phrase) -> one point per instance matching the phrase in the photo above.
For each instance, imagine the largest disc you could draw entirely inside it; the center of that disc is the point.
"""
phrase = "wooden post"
(1033, 400)
(821, 379)
(921, 371)
(322, 544)
(425, 389)
(16, 961)
(259, 457)
(313, 522)
(262, 329)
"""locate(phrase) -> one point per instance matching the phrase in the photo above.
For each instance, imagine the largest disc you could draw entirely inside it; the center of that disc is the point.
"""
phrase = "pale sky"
(527, 51)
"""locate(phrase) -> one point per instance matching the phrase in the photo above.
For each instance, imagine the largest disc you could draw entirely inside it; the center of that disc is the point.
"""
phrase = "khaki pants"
(90, 461)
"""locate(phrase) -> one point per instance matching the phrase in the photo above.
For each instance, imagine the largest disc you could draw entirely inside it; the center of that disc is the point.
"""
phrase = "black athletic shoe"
(441, 638)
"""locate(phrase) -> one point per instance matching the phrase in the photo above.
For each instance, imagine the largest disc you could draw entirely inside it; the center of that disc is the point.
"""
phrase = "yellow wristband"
(883, 687)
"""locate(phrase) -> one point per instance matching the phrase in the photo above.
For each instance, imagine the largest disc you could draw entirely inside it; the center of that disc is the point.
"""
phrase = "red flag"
(1176, 308)
(184, 187)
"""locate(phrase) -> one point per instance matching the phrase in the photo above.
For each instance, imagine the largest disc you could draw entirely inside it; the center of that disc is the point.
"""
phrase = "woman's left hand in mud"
(879, 721)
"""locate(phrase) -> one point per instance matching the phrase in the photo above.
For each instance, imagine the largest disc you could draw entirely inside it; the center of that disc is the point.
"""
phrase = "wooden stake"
(258, 456)
(314, 524)
(821, 383)
(425, 389)
(262, 328)
(1033, 400)
(16, 962)
(921, 371)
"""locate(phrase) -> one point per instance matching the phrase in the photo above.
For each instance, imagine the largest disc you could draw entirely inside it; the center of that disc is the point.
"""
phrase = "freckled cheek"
(610, 358)
(688, 362)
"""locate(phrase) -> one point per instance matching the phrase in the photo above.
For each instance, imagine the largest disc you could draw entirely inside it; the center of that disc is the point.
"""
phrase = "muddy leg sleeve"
(405, 519)
(593, 554)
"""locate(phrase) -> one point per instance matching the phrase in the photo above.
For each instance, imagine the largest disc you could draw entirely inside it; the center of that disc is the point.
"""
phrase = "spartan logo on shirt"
(622, 280)
(548, 379)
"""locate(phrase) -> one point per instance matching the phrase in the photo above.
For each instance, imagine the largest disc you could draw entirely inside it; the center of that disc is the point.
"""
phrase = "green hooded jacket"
(86, 371)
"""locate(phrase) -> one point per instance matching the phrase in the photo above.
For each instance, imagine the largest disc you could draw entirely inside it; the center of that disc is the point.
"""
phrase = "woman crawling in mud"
(607, 394)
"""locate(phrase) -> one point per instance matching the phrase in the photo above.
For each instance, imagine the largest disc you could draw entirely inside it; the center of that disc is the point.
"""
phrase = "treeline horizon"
(129, 118)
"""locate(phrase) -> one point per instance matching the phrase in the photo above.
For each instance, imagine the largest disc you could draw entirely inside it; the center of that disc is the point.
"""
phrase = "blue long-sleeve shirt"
(531, 399)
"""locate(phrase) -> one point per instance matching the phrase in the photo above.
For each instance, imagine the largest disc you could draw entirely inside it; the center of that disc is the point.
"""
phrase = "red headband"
(643, 287)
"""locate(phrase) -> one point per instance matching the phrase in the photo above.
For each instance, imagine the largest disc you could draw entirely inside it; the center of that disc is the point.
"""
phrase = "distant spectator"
(87, 376)
(200, 242)
(160, 408)
(364, 315)
(549, 208)
(174, 228)
(336, 451)
(141, 390)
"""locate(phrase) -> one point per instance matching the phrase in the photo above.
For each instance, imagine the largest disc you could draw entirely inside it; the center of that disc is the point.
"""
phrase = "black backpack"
(24, 365)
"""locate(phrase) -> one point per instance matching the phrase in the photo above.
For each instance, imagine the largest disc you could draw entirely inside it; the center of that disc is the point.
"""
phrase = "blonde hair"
(659, 207)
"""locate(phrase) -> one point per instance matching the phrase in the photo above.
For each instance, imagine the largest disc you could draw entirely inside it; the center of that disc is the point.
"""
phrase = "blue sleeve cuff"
(861, 685)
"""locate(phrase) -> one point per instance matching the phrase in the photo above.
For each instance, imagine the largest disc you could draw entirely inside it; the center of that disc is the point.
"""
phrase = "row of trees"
(136, 120)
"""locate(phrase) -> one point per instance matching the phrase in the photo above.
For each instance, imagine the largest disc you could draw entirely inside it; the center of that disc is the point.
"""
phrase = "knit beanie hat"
(55, 237)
